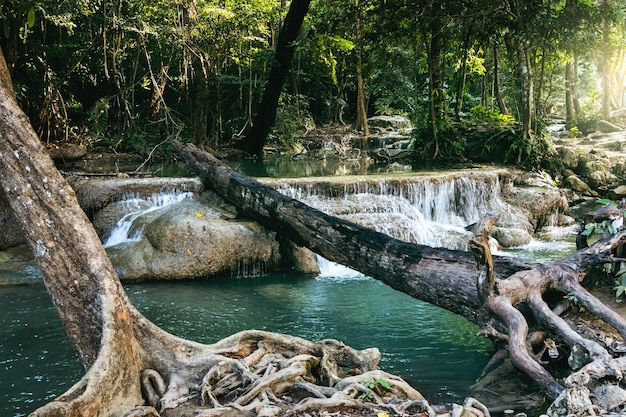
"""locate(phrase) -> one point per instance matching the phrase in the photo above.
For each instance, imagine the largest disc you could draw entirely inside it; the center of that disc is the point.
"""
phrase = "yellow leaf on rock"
(198, 214)
(382, 415)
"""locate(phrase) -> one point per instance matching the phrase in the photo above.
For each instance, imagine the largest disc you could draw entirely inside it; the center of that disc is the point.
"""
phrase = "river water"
(435, 351)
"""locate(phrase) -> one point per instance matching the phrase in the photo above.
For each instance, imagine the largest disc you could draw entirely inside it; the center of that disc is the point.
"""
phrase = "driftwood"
(505, 302)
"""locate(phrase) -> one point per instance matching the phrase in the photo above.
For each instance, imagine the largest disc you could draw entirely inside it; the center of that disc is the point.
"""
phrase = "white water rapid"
(125, 230)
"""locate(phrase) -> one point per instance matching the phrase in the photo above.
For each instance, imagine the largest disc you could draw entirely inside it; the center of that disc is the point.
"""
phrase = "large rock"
(598, 161)
(578, 185)
(511, 237)
(396, 122)
(608, 127)
(190, 239)
(541, 205)
(96, 193)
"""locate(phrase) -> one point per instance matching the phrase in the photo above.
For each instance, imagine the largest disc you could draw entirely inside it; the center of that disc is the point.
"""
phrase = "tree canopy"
(129, 74)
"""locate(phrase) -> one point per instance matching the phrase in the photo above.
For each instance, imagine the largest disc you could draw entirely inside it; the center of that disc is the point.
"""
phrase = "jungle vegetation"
(131, 74)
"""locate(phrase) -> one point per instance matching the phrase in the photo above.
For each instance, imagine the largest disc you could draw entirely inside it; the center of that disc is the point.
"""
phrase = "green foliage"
(527, 153)
(292, 122)
(620, 284)
(571, 299)
(606, 229)
(374, 383)
(574, 132)
(327, 49)
(377, 384)
(584, 123)
(446, 146)
(480, 114)
(136, 70)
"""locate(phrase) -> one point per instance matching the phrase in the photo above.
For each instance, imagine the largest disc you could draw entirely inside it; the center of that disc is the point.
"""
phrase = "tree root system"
(255, 373)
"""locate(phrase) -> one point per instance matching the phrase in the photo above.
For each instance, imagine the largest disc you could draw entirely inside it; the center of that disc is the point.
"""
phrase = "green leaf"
(589, 229)
(30, 20)
(383, 383)
(605, 201)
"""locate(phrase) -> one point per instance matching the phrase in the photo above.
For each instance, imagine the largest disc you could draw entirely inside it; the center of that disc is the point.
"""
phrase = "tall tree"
(265, 117)
(361, 101)
(436, 93)
(519, 47)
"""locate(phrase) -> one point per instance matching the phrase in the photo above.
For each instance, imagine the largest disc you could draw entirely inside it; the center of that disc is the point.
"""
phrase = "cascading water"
(433, 211)
(124, 231)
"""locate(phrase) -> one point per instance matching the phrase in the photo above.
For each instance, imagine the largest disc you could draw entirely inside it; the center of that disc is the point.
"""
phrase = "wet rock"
(578, 358)
(541, 205)
(567, 157)
(608, 397)
(596, 179)
(190, 239)
(578, 185)
(97, 193)
(396, 122)
(509, 237)
(618, 193)
(302, 259)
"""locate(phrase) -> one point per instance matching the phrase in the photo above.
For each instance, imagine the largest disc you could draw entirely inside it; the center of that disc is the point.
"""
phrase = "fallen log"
(510, 308)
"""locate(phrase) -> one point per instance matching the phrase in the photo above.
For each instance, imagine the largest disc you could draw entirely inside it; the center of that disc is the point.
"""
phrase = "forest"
(130, 75)
(480, 79)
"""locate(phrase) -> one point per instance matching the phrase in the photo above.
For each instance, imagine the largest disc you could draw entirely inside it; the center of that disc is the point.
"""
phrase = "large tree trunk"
(449, 279)
(570, 113)
(497, 92)
(266, 113)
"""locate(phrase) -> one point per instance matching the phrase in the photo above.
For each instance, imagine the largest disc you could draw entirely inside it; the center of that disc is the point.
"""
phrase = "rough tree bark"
(266, 113)
(505, 305)
(135, 368)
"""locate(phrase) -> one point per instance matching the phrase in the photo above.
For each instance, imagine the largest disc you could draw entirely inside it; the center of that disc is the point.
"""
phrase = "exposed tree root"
(526, 288)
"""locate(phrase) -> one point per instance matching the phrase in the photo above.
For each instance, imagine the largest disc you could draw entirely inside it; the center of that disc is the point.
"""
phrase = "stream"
(436, 351)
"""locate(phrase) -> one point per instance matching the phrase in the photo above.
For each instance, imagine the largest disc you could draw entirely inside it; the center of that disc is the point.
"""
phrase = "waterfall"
(428, 210)
(136, 207)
